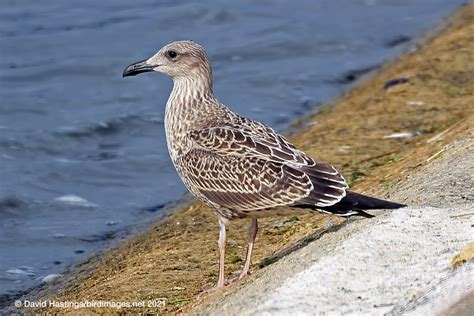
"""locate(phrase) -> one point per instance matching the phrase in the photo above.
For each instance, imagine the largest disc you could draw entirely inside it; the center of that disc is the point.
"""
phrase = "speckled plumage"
(234, 164)
(239, 167)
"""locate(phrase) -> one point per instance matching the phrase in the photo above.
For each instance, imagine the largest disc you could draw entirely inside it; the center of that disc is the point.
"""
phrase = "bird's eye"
(172, 54)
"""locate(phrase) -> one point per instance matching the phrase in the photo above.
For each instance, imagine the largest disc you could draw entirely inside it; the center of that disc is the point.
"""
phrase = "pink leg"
(221, 282)
(252, 233)
(222, 243)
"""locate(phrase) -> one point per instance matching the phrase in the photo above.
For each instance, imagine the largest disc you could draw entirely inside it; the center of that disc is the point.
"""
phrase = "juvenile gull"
(239, 167)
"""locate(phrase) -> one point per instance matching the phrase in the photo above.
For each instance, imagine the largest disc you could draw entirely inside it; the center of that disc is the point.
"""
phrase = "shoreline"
(176, 258)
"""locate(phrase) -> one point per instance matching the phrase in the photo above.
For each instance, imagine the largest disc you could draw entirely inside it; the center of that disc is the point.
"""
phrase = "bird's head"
(182, 59)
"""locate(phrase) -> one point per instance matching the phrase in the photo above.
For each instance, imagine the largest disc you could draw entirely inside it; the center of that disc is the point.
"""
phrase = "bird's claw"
(216, 288)
(238, 278)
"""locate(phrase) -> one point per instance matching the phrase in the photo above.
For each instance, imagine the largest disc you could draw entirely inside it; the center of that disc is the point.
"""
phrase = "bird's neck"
(191, 105)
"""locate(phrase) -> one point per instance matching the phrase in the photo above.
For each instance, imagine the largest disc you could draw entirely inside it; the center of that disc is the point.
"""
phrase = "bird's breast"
(178, 142)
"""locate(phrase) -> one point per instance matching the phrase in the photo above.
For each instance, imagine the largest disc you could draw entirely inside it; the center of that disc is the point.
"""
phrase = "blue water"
(71, 125)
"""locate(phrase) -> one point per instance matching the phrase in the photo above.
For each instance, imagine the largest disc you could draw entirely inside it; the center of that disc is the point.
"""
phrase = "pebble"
(415, 102)
(51, 277)
(402, 135)
(395, 82)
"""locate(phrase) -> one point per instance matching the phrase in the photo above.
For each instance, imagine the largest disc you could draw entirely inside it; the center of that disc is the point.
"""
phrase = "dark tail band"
(355, 204)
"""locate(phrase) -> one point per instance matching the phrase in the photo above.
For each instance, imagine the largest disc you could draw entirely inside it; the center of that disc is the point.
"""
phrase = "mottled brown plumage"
(239, 167)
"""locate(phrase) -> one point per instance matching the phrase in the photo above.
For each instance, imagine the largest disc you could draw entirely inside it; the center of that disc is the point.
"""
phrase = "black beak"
(137, 68)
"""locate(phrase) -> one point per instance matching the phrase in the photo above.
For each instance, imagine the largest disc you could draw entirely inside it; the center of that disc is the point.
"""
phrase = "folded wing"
(248, 166)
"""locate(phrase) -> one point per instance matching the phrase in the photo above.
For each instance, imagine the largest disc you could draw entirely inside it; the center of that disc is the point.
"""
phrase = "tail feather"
(355, 204)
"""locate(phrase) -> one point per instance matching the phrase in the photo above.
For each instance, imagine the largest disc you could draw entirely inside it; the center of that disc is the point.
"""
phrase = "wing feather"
(246, 165)
(244, 183)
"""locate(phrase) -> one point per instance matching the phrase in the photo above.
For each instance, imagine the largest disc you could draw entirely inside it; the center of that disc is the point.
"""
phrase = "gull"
(237, 166)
